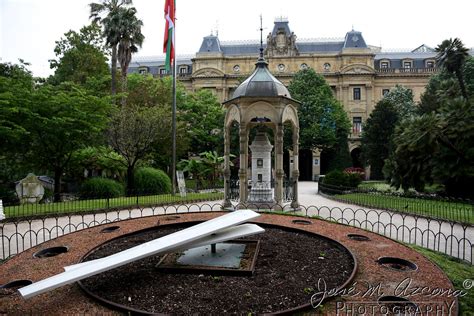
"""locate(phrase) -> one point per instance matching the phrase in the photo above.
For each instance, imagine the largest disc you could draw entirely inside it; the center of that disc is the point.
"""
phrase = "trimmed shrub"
(151, 181)
(337, 178)
(342, 179)
(353, 179)
(101, 188)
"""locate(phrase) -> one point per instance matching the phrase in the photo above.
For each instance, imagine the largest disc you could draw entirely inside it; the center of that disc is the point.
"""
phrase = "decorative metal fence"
(450, 209)
(447, 237)
(93, 203)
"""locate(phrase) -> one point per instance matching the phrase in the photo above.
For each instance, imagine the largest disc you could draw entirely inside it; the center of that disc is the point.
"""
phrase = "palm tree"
(451, 55)
(106, 14)
(131, 38)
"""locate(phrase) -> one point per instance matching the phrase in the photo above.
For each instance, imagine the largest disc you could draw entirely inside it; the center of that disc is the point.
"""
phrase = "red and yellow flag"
(168, 44)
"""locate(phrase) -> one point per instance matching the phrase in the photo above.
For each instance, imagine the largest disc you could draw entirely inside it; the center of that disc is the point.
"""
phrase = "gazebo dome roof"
(261, 83)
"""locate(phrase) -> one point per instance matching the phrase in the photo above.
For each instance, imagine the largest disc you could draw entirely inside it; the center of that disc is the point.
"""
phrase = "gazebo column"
(279, 174)
(244, 149)
(227, 202)
(295, 172)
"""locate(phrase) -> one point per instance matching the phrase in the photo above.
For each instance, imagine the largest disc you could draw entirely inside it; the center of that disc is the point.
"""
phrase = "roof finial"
(261, 36)
(352, 27)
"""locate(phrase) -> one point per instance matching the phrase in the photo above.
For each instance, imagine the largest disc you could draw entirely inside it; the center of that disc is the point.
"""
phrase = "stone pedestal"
(29, 189)
(261, 191)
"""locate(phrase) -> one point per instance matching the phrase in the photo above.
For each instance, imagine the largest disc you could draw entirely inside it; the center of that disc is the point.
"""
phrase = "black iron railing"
(433, 206)
(446, 237)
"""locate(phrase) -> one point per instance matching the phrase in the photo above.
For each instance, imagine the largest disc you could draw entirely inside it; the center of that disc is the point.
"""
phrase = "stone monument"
(29, 189)
(261, 191)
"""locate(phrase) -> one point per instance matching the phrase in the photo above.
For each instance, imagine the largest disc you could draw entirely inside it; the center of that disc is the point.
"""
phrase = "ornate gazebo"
(261, 100)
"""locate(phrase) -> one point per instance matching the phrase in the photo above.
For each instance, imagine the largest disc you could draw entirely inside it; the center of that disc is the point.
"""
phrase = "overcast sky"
(29, 28)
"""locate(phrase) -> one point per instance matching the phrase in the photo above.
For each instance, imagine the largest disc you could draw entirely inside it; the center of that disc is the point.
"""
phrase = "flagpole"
(173, 128)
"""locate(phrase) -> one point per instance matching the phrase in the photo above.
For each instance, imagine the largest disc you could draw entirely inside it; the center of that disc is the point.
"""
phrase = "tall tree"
(378, 132)
(203, 116)
(106, 12)
(436, 148)
(377, 143)
(146, 91)
(133, 132)
(451, 55)
(444, 86)
(131, 38)
(50, 122)
(80, 56)
(322, 118)
(323, 122)
(16, 87)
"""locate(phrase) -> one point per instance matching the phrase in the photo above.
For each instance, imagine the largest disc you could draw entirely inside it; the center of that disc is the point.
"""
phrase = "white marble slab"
(220, 236)
(163, 244)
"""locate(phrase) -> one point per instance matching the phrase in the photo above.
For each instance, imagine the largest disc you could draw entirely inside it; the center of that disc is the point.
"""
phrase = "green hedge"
(101, 188)
(342, 179)
(152, 181)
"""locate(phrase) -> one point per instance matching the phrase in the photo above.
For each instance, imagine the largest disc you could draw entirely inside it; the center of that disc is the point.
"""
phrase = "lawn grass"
(449, 210)
(105, 204)
(377, 185)
(457, 271)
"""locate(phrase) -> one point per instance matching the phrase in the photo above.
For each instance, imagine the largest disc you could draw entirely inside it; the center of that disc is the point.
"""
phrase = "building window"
(385, 92)
(183, 70)
(407, 64)
(259, 163)
(143, 70)
(356, 94)
(430, 64)
(162, 71)
(384, 64)
(304, 66)
(356, 125)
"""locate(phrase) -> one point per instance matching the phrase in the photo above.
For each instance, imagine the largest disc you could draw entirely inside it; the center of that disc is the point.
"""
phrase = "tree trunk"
(130, 181)
(57, 183)
(114, 70)
(124, 85)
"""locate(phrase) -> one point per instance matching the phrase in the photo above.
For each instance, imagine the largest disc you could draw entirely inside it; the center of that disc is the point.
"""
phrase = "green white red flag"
(168, 44)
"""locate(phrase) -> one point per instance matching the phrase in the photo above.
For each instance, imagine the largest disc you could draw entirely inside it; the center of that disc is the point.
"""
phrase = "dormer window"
(430, 64)
(407, 64)
(143, 70)
(385, 64)
(183, 70)
(162, 71)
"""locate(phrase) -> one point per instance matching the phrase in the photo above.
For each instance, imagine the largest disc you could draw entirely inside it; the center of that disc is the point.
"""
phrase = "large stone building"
(359, 74)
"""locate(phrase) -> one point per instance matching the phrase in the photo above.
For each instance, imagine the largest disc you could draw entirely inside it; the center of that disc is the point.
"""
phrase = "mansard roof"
(404, 55)
(210, 44)
(281, 23)
(354, 39)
